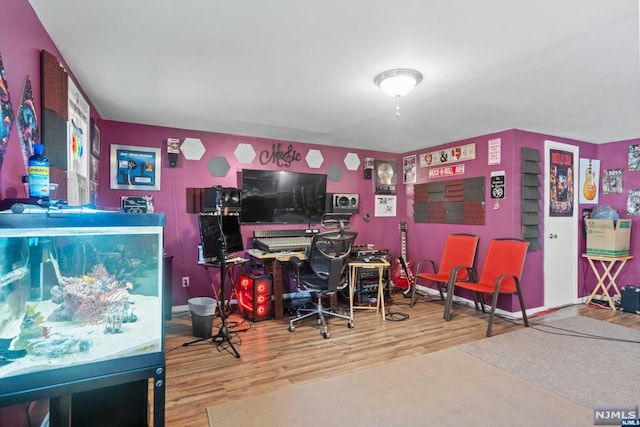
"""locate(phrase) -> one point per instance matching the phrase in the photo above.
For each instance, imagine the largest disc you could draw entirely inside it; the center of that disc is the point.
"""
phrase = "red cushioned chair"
(459, 251)
(501, 274)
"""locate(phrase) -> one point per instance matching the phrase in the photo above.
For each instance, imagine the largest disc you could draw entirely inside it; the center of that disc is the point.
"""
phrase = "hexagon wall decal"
(314, 159)
(218, 166)
(245, 154)
(352, 161)
(192, 149)
(334, 172)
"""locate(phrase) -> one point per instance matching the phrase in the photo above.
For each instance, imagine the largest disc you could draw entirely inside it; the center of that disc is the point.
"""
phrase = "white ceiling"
(303, 70)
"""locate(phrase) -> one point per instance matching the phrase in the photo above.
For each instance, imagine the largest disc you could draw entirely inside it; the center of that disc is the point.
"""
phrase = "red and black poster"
(561, 182)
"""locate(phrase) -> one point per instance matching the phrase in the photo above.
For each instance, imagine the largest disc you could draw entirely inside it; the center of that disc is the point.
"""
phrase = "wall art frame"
(135, 168)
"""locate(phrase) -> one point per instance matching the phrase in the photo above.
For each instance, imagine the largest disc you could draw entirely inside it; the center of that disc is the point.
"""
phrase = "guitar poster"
(589, 177)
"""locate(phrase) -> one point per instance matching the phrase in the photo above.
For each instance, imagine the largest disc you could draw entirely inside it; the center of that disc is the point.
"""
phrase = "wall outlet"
(185, 282)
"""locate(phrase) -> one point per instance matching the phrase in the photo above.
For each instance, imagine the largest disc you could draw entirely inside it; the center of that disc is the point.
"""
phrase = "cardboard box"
(605, 238)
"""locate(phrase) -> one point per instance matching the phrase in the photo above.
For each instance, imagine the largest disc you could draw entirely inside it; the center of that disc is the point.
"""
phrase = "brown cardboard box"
(603, 238)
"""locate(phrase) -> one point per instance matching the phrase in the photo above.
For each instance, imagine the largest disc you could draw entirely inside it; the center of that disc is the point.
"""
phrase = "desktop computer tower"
(254, 297)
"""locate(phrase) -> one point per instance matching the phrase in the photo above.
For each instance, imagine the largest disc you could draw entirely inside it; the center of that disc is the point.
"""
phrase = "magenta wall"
(181, 231)
(613, 156)
(21, 39)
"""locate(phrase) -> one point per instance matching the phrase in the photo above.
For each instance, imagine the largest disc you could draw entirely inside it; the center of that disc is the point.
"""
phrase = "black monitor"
(216, 230)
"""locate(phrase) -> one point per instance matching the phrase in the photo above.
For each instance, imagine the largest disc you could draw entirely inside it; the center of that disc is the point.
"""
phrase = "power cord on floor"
(565, 332)
(396, 316)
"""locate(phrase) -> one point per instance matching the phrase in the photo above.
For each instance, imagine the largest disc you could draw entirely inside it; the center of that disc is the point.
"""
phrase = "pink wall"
(21, 39)
(615, 156)
(181, 231)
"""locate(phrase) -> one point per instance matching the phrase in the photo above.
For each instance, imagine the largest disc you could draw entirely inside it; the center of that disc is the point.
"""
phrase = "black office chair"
(327, 256)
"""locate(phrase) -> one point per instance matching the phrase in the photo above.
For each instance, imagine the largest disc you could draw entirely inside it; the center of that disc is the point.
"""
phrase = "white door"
(560, 224)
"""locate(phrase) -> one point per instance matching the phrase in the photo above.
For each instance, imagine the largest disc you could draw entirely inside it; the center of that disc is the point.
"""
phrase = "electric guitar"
(402, 276)
(589, 187)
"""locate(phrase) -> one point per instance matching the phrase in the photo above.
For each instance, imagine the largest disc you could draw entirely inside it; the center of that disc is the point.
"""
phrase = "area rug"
(445, 388)
(587, 361)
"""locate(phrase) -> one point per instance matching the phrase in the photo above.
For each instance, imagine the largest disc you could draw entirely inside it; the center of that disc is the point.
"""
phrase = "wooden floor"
(204, 374)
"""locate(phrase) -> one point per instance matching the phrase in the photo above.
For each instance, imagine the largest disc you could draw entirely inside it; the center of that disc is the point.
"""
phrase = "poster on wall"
(27, 122)
(634, 157)
(385, 177)
(7, 113)
(385, 206)
(409, 169)
(612, 181)
(561, 183)
(589, 173)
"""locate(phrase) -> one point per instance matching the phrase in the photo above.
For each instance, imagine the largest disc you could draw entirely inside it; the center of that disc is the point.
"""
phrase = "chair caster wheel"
(351, 325)
(292, 328)
(326, 335)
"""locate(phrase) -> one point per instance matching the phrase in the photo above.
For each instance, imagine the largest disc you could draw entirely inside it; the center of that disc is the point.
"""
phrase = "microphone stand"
(224, 335)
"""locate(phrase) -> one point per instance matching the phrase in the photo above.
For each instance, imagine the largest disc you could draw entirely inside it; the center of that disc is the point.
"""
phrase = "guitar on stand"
(402, 276)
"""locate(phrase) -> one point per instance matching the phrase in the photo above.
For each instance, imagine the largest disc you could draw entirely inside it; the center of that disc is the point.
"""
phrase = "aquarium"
(80, 298)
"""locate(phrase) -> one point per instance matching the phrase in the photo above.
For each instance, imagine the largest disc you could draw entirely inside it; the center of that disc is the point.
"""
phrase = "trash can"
(202, 311)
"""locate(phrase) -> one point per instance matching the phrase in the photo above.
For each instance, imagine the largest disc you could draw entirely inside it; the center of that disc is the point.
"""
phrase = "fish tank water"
(80, 298)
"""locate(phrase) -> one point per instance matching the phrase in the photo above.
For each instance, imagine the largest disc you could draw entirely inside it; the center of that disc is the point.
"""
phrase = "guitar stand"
(223, 337)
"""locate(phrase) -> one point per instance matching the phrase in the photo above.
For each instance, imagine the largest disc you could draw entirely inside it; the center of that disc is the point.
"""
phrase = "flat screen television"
(216, 230)
(282, 197)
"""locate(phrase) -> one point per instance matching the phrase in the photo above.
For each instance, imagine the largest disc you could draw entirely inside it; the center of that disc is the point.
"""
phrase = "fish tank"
(80, 300)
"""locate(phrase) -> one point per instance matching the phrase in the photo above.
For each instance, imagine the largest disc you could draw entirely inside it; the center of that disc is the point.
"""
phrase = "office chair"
(327, 257)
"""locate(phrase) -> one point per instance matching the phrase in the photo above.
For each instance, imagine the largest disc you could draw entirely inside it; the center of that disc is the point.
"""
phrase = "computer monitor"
(216, 230)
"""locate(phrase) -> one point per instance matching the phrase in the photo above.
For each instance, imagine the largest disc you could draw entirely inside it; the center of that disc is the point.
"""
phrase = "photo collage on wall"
(633, 200)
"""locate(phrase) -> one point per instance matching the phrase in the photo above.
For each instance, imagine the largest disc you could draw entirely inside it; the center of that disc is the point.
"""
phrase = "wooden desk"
(272, 262)
(607, 263)
(353, 274)
(232, 269)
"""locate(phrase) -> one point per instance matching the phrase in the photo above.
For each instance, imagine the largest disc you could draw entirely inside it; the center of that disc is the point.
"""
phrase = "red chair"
(459, 251)
(500, 275)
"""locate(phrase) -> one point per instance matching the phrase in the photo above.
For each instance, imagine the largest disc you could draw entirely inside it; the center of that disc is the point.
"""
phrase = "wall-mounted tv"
(282, 197)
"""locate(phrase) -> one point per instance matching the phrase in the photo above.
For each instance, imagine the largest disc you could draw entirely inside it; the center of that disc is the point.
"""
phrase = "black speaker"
(222, 199)
(345, 202)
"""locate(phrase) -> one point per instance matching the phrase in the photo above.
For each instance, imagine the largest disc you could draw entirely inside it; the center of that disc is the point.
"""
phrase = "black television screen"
(215, 228)
(282, 197)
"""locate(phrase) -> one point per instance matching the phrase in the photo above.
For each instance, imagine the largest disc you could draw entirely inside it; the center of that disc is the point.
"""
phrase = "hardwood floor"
(202, 374)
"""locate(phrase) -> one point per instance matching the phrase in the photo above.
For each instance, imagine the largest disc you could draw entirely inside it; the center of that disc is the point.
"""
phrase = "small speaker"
(224, 199)
(254, 297)
(345, 203)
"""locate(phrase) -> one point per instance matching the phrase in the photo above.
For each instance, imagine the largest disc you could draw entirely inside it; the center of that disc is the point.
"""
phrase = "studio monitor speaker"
(223, 199)
(345, 202)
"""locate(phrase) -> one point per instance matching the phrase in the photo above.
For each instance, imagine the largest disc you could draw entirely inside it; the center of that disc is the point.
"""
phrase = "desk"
(232, 268)
(272, 262)
(607, 263)
(353, 274)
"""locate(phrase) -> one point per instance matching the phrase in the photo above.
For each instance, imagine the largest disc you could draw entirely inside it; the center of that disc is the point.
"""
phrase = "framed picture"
(95, 163)
(409, 172)
(135, 168)
(95, 139)
(385, 177)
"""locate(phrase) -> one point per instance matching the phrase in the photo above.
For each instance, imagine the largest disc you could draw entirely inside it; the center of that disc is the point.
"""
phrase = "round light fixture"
(398, 82)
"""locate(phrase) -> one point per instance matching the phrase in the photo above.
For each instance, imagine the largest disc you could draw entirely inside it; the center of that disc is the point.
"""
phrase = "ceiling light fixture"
(398, 82)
